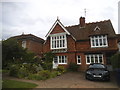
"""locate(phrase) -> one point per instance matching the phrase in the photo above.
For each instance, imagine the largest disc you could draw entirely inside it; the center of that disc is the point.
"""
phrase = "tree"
(48, 59)
(115, 61)
(12, 52)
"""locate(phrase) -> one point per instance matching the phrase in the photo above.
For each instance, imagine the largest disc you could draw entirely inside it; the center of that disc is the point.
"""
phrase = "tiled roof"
(30, 37)
(83, 33)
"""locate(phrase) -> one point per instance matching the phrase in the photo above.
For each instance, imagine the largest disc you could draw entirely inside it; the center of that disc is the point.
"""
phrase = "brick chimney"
(82, 21)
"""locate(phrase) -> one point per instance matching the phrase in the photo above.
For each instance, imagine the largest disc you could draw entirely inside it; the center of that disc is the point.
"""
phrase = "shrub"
(14, 70)
(73, 67)
(47, 66)
(22, 72)
(115, 61)
(54, 74)
(45, 74)
(61, 69)
(35, 77)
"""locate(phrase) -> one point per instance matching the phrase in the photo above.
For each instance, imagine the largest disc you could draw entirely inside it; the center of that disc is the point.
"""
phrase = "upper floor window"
(58, 41)
(78, 59)
(99, 41)
(24, 44)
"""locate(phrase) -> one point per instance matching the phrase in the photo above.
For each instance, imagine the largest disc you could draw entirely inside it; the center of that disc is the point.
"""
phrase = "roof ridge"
(71, 26)
(89, 23)
(98, 22)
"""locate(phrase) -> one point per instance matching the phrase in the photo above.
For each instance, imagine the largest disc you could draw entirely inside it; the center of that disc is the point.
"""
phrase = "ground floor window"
(94, 58)
(78, 59)
(60, 59)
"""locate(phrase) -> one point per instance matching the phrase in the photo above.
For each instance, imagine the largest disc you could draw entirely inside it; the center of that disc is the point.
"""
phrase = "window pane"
(55, 60)
(104, 41)
(100, 40)
(88, 59)
(65, 59)
(92, 59)
(96, 42)
(62, 59)
(96, 59)
(100, 58)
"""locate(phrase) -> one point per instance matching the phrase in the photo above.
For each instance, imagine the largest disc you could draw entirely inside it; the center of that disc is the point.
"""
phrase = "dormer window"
(58, 41)
(99, 41)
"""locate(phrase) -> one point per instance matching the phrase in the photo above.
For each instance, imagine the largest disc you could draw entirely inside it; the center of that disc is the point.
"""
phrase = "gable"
(57, 29)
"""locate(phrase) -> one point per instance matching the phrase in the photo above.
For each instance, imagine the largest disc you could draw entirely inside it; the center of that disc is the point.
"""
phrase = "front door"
(55, 62)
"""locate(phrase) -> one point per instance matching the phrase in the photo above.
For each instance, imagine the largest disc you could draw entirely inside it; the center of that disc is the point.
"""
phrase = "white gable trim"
(57, 22)
(96, 28)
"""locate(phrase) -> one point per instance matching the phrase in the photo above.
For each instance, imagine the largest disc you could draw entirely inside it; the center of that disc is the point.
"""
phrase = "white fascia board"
(96, 28)
(57, 22)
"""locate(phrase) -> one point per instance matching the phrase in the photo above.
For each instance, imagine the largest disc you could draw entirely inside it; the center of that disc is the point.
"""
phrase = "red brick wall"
(70, 44)
(35, 47)
(46, 46)
(57, 29)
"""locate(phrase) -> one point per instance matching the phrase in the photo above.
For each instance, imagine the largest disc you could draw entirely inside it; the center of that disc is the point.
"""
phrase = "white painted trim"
(98, 55)
(98, 38)
(57, 22)
(96, 28)
(53, 41)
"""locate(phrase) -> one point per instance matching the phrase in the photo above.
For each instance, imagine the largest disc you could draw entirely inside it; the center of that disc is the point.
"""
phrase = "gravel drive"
(70, 80)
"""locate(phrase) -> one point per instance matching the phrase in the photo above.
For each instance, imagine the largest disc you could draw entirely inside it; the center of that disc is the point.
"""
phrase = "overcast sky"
(38, 16)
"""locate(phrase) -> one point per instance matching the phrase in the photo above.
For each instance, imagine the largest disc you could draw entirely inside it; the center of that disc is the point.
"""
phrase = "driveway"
(70, 80)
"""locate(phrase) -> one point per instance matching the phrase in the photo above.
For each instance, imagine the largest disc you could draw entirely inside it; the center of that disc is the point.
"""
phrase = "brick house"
(82, 44)
(31, 42)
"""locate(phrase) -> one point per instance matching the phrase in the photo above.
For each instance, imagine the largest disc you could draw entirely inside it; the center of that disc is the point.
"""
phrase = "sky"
(37, 16)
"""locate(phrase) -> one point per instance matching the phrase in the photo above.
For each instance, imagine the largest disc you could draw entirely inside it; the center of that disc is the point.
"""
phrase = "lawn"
(17, 84)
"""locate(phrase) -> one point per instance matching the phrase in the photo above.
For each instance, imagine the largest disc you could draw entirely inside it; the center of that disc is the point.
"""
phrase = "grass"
(17, 84)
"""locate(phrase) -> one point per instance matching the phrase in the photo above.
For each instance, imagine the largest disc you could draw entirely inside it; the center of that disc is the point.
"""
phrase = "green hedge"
(115, 61)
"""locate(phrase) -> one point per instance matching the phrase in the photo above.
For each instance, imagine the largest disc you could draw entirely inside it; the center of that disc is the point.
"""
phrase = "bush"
(73, 67)
(115, 61)
(45, 74)
(55, 73)
(61, 69)
(14, 70)
(22, 72)
(35, 77)
(47, 66)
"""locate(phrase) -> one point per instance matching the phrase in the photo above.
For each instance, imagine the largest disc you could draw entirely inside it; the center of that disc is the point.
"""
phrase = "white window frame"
(24, 44)
(59, 59)
(93, 55)
(58, 41)
(93, 40)
(78, 58)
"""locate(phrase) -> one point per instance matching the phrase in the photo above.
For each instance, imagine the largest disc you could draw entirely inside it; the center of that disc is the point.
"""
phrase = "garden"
(21, 63)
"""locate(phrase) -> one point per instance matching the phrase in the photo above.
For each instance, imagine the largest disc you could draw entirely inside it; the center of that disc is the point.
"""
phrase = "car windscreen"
(97, 66)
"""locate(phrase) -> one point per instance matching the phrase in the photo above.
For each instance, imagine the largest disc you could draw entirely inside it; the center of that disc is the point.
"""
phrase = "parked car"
(97, 71)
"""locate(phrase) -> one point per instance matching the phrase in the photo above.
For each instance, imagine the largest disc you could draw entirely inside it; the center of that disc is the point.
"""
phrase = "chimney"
(82, 21)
